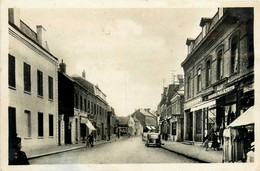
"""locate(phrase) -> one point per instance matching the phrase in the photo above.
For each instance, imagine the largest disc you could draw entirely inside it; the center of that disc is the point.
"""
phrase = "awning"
(148, 127)
(88, 123)
(152, 127)
(90, 126)
(203, 105)
(84, 120)
(244, 119)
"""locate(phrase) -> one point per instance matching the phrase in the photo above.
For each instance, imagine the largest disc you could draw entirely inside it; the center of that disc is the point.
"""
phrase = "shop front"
(239, 138)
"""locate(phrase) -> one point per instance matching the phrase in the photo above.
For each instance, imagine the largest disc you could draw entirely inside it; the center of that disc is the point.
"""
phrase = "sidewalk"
(64, 148)
(194, 151)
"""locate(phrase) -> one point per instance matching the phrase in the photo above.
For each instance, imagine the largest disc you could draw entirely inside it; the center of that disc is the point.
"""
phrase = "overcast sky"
(127, 52)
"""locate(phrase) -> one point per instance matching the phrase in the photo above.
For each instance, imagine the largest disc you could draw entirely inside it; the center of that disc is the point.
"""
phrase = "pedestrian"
(215, 142)
(221, 130)
(91, 139)
(18, 157)
(206, 142)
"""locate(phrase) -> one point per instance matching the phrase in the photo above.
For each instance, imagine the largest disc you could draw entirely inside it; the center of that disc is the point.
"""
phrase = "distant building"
(33, 86)
(75, 114)
(138, 127)
(219, 72)
(126, 125)
(170, 110)
(147, 119)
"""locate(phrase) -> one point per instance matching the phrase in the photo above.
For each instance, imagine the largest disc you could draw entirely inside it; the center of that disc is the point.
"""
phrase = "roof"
(146, 113)
(86, 84)
(122, 120)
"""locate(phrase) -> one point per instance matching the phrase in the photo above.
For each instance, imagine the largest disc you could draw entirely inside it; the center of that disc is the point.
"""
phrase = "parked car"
(153, 139)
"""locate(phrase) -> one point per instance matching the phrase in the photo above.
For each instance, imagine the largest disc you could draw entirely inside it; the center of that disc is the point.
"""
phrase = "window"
(220, 64)
(174, 128)
(76, 101)
(50, 81)
(11, 70)
(85, 105)
(27, 123)
(188, 87)
(40, 83)
(50, 125)
(92, 108)
(81, 103)
(88, 105)
(40, 124)
(199, 80)
(234, 55)
(208, 73)
(27, 77)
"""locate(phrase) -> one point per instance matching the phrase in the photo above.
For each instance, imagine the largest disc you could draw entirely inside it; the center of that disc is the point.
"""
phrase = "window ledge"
(27, 92)
(40, 137)
(40, 96)
(51, 136)
(51, 100)
(27, 138)
(11, 87)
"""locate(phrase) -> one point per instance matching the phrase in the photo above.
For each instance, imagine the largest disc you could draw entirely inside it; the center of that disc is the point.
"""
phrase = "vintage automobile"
(153, 139)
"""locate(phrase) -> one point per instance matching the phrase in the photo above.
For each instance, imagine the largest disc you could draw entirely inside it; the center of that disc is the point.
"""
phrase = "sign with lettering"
(226, 90)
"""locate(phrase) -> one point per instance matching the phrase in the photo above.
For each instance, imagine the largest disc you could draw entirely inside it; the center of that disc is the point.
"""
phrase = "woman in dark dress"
(215, 142)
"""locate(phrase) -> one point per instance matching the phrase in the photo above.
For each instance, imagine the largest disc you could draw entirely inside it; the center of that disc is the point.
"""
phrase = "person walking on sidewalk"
(91, 139)
(215, 142)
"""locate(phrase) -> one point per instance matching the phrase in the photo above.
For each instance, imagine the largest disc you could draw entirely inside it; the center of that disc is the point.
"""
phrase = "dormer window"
(205, 23)
(190, 44)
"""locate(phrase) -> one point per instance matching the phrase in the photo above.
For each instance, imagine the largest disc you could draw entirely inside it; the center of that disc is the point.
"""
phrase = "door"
(190, 126)
(11, 131)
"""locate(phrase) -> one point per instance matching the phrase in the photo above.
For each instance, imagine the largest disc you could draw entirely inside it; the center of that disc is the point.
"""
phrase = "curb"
(199, 160)
(65, 150)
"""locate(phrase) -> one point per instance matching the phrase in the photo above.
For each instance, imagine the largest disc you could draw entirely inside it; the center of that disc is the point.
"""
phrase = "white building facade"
(32, 82)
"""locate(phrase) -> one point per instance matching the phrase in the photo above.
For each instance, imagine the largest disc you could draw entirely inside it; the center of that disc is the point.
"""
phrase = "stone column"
(194, 126)
(62, 130)
(185, 126)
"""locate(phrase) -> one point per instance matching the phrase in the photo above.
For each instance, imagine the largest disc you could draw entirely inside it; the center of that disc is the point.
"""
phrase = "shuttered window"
(40, 83)
(11, 70)
(27, 77)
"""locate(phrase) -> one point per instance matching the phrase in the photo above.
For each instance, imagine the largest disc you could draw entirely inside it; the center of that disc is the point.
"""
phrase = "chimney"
(41, 36)
(63, 66)
(147, 109)
(84, 74)
(180, 78)
(14, 16)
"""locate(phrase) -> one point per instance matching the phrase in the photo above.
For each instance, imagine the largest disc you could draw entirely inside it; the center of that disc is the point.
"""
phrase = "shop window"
(208, 73)
(234, 55)
(11, 71)
(198, 122)
(39, 83)
(27, 77)
(40, 124)
(199, 80)
(220, 64)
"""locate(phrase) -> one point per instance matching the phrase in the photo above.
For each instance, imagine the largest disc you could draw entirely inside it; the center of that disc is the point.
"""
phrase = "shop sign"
(226, 90)
(192, 103)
